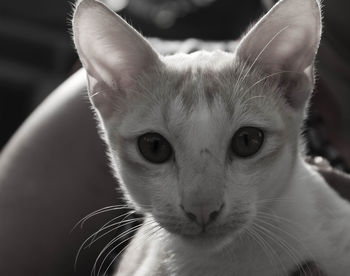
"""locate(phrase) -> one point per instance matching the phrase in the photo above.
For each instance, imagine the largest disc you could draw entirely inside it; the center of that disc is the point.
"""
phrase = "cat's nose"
(202, 214)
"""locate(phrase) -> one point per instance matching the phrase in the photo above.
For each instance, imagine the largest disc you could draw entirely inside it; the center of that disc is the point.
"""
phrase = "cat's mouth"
(208, 240)
(195, 233)
(204, 236)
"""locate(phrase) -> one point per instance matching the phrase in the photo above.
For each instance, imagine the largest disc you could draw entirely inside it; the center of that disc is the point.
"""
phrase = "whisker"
(275, 218)
(95, 94)
(260, 230)
(241, 80)
(267, 77)
(263, 50)
(131, 221)
(238, 81)
(115, 247)
(230, 253)
(289, 235)
(123, 234)
(155, 230)
(265, 246)
(109, 223)
(97, 212)
(290, 250)
(114, 258)
(252, 98)
(83, 245)
(274, 199)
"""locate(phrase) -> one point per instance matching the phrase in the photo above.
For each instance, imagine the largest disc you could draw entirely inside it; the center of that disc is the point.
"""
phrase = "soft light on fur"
(270, 220)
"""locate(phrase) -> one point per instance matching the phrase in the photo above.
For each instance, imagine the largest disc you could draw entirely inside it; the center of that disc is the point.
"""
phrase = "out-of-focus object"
(181, 19)
(116, 5)
(163, 13)
(268, 3)
(36, 55)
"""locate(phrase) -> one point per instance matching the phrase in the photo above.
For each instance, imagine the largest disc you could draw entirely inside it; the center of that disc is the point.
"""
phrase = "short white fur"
(275, 211)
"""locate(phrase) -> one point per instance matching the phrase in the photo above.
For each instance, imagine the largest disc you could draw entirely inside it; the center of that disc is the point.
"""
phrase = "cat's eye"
(247, 141)
(154, 147)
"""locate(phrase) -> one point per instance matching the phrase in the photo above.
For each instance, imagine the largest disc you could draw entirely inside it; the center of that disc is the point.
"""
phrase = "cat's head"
(200, 141)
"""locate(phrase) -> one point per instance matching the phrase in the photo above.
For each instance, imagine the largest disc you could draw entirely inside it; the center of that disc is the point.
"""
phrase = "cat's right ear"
(285, 41)
(113, 54)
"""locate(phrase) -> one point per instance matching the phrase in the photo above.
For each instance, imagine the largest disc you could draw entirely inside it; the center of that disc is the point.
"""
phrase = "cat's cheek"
(168, 197)
(135, 183)
(276, 176)
(241, 193)
(151, 187)
(139, 195)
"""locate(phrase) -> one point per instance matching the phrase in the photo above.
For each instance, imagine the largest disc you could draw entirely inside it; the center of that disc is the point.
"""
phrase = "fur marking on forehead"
(208, 77)
(199, 85)
(197, 75)
(203, 121)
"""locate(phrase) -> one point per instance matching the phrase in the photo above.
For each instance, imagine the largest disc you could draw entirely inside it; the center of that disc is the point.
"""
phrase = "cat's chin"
(214, 236)
(204, 237)
(207, 241)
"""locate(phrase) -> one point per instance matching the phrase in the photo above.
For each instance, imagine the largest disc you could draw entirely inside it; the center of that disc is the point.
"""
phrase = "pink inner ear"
(100, 94)
(286, 38)
(296, 88)
(111, 51)
(284, 44)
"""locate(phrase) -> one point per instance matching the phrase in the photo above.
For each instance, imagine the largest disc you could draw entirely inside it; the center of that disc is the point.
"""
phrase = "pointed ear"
(286, 39)
(111, 51)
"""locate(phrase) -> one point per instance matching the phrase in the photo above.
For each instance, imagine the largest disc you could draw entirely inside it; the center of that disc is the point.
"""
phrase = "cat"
(208, 146)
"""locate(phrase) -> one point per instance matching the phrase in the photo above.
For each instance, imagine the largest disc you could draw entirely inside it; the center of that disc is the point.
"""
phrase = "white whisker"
(288, 234)
(267, 77)
(263, 50)
(155, 230)
(260, 230)
(99, 211)
(95, 239)
(293, 253)
(109, 224)
(265, 246)
(123, 234)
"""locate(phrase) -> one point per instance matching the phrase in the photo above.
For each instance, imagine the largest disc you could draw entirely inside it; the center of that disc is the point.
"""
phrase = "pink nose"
(202, 214)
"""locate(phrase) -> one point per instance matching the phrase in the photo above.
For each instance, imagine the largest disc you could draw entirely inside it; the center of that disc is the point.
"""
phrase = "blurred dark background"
(36, 52)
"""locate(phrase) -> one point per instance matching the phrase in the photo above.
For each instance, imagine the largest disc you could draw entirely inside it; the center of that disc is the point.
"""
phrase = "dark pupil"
(247, 141)
(154, 147)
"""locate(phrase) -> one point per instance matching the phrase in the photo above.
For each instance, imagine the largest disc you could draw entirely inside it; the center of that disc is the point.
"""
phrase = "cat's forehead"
(211, 79)
(200, 59)
(210, 119)
(198, 77)
(204, 128)
(202, 91)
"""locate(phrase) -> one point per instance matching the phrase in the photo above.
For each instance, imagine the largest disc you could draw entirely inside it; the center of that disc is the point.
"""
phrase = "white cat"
(207, 145)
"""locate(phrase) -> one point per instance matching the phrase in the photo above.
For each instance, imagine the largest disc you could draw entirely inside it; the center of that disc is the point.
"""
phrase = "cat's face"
(223, 148)
(202, 141)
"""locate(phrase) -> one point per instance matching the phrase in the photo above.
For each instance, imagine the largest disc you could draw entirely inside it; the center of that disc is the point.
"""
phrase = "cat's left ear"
(286, 39)
(113, 54)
